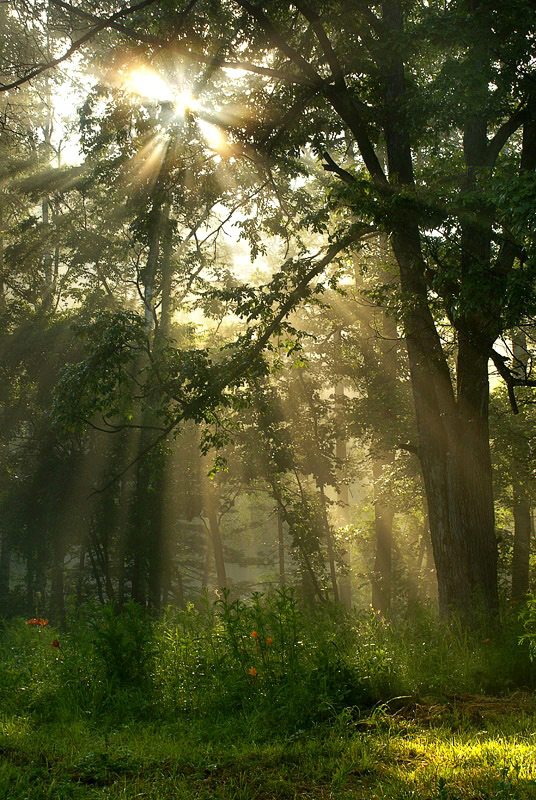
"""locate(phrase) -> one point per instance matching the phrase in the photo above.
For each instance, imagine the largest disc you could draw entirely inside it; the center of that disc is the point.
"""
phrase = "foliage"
(346, 705)
(268, 659)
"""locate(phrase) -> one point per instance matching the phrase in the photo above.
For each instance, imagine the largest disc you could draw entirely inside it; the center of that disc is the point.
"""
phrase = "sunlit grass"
(392, 759)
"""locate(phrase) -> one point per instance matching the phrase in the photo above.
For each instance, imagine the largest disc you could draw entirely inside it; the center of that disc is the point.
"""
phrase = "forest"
(267, 395)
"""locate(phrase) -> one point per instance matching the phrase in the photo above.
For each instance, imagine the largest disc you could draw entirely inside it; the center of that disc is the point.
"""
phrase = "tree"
(444, 90)
(445, 93)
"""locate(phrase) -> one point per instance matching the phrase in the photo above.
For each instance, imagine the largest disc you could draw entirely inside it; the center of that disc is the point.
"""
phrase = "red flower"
(253, 672)
(55, 643)
(269, 641)
(254, 635)
(37, 621)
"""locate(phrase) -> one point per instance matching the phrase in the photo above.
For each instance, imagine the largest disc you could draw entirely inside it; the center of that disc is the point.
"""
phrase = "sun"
(146, 83)
(184, 101)
(150, 85)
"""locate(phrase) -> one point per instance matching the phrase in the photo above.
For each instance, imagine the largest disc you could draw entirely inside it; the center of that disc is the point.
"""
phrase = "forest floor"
(466, 747)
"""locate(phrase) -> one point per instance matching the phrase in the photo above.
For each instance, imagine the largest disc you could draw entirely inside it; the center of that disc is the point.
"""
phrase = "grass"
(421, 753)
(338, 707)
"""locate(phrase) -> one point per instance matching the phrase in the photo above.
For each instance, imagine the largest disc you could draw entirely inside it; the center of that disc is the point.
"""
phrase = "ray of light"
(214, 137)
(147, 83)
(145, 166)
(184, 101)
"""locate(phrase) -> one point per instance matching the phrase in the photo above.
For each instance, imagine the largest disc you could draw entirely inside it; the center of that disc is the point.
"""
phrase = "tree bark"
(215, 536)
(383, 527)
(345, 576)
(330, 549)
(281, 548)
(522, 534)
(520, 490)
(453, 431)
(5, 571)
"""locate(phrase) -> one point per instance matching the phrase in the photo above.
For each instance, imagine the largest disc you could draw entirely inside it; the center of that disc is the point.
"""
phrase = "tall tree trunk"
(207, 565)
(380, 342)
(330, 548)
(310, 582)
(5, 570)
(156, 555)
(57, 587)
(521, 494)
(345, 576)
(81, 573)
(281, 548)
(217, 547)
(2, 263)
(166, 270)
(453, 432)
(48, 292)
(383, 528)
(211, 510)
(151, 267)
(522, 533)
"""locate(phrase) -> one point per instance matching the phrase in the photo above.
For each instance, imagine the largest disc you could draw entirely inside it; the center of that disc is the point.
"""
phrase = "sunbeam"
(147, 83)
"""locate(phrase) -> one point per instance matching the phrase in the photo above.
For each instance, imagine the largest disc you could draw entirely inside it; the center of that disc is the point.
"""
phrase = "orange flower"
(253, 672)
(485, 641)
(269, 641)
(254, 635)
(37, 621)
(55, 643)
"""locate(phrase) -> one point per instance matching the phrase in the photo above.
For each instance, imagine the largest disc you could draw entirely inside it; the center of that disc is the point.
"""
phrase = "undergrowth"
(267, 658)
(264, 700)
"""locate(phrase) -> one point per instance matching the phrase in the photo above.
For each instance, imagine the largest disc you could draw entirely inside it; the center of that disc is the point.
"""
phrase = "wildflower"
(37, 621)
(485, 641)
(254, 635)
(253, 672)
(55, 643)
(269, 641)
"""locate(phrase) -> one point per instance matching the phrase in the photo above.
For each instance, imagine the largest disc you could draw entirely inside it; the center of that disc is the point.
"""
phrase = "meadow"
(265, 699)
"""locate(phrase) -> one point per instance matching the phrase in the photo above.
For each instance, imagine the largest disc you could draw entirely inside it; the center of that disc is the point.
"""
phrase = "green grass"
(338, 707)
(423, 753)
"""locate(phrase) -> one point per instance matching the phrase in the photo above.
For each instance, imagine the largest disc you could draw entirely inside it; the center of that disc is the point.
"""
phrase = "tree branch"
(332, 166)
(507, 129)
(156, 41)
(359, 232)
(199, 58)
(349, 111)
(79, 12)
(105, 23)
(242, 362)
(331, 57)
(510, 379)
(278, 40)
